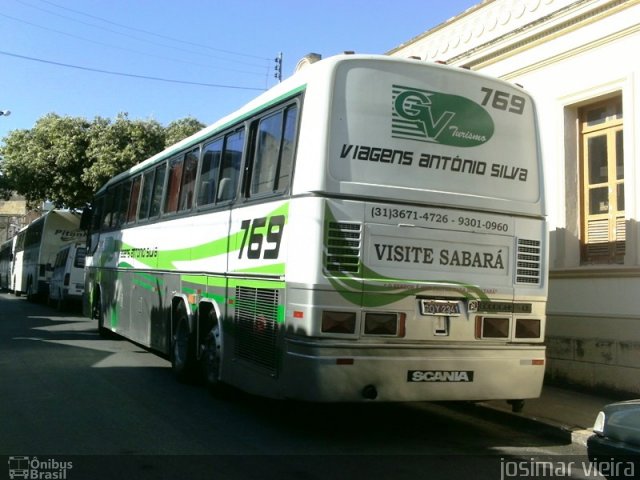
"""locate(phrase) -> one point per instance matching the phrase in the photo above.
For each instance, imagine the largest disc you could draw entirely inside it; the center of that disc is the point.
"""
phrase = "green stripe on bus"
(166, 259)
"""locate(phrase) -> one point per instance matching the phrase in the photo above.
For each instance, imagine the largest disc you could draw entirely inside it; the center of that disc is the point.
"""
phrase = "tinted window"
(158, 186)
(79, 260)
(274, 148)
(133, 203)
(230, 168)
(265, 162)
(209, 172)
(108, 210)
(288, 148)
(188, 185)
(61, 258)
(173, 186)
(147, 191)
(34, 233)
(96, 216)
(121, 198)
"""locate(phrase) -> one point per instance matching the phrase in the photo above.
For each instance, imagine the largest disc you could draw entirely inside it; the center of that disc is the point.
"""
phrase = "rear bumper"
(317, 372)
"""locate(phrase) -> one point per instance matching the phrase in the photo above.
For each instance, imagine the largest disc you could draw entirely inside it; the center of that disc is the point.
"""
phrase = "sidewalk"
(568, 410)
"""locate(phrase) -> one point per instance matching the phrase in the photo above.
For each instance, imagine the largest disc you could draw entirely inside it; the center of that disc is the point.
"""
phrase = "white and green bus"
(370, 228)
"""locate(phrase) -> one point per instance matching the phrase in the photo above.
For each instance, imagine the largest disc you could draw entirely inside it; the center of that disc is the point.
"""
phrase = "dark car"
(615, 445)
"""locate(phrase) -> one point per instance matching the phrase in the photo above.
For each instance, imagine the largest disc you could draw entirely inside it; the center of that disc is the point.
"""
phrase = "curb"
(581, 436)
(577, 435)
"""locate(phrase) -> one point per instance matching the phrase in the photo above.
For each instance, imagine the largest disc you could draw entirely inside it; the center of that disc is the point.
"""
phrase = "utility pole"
(278, 67)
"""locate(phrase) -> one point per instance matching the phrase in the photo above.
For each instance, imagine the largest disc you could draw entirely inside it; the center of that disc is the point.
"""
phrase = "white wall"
(568, 53)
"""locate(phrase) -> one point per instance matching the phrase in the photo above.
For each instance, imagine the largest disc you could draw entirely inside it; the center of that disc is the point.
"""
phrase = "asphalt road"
(87, 407)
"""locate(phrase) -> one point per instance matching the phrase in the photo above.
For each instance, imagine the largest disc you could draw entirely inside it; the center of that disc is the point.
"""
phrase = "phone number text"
(439, 218)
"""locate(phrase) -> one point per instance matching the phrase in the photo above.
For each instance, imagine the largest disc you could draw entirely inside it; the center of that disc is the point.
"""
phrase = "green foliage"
(117, 146)
(66, 159)
(46, 162)
(181, 129)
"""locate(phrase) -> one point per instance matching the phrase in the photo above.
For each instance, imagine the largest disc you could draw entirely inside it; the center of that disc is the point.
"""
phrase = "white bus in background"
(36, 249)
(67, 279)
(371, 228)
(17, 262)
(6, 255)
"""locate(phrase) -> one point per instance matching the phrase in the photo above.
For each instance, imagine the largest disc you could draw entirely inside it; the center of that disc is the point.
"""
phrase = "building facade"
(579, 60)
(13, 216)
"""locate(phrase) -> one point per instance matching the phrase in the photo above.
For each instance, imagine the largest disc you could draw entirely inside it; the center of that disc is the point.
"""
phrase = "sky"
(165, 60)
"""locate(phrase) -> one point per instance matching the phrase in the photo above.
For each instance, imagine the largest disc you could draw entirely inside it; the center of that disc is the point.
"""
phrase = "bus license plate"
(439, 307)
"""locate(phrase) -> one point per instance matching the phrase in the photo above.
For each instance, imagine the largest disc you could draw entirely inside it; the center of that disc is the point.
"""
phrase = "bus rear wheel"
(183, 348)
(210, 362)
(98, 314)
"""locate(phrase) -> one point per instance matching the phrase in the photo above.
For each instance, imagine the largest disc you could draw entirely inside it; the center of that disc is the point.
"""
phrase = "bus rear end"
(431, 281)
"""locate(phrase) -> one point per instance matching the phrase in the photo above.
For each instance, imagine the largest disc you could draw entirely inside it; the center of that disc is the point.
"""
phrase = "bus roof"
(288, 88)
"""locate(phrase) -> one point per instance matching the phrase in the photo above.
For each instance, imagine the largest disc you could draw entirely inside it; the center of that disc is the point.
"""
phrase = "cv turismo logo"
(436, 117)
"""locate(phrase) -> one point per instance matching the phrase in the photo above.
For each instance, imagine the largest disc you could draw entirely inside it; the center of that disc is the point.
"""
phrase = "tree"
(117, 146)
(181, 129)
(67, 159)
(47, 161)
(6, 187)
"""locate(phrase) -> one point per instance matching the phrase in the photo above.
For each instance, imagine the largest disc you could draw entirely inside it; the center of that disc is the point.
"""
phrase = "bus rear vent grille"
(529, 262)
(257, 326)
(342, 247)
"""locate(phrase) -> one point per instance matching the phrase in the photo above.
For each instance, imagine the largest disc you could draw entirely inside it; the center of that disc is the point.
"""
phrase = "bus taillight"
(380, 323)
(528, 328)
(492, 327)
(338, 322)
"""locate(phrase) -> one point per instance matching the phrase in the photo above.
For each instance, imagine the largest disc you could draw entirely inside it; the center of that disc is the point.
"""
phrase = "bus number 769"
(255, 235)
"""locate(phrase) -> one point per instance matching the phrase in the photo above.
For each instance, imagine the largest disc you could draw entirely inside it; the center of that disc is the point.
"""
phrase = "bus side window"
(61, 258)
(287, 150)
(96, 216)
(188, 180)
(274, 148)
(81, 257)
(117, 200)
(265, 160)
(20, 241)
(135, 196)
(158, 188)
(173, 186)
(209, 172)
(145, 197)
(34, 234)
(123, 191)
(108, 210)
(230, 168)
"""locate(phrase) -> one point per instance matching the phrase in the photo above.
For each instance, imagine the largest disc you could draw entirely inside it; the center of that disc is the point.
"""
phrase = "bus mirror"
(85, 219)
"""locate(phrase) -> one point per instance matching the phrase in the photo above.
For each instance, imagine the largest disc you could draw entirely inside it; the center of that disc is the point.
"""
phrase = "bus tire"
(60, 303)
(210, 362)
(98, 314)
(183, 347)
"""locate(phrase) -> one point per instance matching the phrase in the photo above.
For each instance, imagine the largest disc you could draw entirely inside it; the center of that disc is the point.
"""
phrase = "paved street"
(112, 407)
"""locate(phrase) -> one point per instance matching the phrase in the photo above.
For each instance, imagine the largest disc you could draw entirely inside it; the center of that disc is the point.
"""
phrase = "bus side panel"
(253, 352)
(18, 283)
(253, 332)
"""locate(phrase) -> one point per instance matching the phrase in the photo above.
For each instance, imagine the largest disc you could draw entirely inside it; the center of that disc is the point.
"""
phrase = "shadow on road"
(67, 391)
